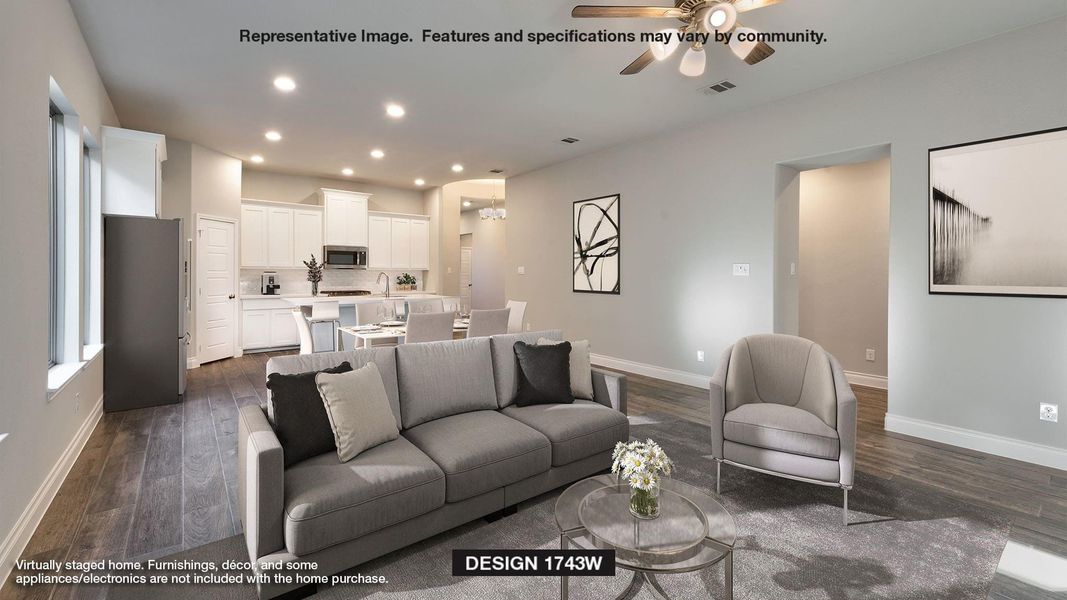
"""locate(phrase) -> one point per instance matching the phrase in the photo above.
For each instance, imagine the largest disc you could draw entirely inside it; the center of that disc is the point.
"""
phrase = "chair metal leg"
(844, 509)
(718, 474)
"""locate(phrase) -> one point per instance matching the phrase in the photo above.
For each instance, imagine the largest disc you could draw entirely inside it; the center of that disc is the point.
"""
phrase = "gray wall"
(283, 187)
(844, 262)
(695, 201)
(37, 40)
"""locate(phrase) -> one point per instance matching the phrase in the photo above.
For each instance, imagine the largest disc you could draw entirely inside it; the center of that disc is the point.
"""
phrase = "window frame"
(56, 236)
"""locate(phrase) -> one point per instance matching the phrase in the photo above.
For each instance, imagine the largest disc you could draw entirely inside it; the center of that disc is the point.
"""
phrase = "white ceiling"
(179, 69)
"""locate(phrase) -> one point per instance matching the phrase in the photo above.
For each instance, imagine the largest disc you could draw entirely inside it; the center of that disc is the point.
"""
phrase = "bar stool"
(328, 311)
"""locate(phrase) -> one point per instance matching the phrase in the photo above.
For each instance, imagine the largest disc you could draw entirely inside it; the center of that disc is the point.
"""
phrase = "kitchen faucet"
(379, 280)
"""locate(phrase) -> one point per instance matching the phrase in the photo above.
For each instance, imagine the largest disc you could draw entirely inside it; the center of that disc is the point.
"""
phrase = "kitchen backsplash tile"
(294, 281)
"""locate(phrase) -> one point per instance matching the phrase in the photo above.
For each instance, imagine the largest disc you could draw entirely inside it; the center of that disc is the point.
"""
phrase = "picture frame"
(997, 218)
(596, 245)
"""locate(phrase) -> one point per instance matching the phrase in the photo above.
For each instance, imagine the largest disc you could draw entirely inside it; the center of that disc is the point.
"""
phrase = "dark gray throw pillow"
(544, 374)
(300, 419)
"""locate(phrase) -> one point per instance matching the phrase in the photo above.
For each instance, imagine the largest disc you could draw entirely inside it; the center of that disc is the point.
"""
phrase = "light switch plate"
(741, 269)
(700, 356)
(1050, 412)
(522, 270)
(792, 268)
(870, 355)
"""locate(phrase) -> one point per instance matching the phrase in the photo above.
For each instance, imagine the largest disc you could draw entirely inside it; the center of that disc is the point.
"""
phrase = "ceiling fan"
(697, 17)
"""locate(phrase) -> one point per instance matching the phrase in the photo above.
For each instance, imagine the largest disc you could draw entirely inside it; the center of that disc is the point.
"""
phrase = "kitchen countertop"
(307, 297)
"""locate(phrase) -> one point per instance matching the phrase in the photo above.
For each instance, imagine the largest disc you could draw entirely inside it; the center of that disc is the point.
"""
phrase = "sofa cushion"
(581, 367)
(577, 431)
(439, 379)
(384, 358)
(506, 367)
(544, 374)
(299, 418)
(328, 502)
(481, 451)
(358, 409)
(783, 428)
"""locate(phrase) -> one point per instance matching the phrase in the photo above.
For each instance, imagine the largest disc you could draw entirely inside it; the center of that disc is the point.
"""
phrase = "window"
(56, 247)
(91, 267)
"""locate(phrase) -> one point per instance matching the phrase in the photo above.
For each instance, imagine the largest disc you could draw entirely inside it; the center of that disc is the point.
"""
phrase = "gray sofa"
(781, 404)
(465, 452)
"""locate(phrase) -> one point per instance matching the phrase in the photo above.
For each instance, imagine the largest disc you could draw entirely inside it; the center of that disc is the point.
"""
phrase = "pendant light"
(693, 62)
(661, 50)
(492, 213)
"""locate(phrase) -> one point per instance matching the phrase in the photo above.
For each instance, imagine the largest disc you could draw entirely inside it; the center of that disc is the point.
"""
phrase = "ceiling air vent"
(496, 171)
(570, 140)
(718, 88)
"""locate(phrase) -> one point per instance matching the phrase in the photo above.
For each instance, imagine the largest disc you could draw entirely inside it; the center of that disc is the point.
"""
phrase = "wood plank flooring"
(155, 481)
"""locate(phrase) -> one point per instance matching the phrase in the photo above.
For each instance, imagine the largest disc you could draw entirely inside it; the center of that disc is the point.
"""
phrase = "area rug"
(904, 542)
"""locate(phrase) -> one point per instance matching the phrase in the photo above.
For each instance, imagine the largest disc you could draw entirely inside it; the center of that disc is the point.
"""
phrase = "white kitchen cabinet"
(400, 243)
(131, 172)
(379, 242)
(254, 236)
(420, 244)
(283, 328)
(346, 217)
(255, 329)
(280, 237)
(307, 235)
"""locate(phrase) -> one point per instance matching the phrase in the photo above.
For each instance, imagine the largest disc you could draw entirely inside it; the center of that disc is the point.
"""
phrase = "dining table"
(394, 332)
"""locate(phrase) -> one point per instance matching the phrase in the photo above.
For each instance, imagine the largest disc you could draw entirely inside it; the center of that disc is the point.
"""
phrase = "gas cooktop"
(345, 293)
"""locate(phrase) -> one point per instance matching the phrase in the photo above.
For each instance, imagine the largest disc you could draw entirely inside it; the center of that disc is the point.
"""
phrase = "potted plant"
(641, 465)
(406, 282)
(314, 274)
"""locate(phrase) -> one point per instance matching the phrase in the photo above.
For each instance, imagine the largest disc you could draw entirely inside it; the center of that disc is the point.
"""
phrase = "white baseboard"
(20, 534)
(867, 380)
(989, 443)
(192, 362)
(674, 375)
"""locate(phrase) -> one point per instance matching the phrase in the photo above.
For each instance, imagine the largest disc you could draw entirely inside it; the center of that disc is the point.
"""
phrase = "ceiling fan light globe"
(692, 63)
(720, 17)
(743, 48)
(661, 50)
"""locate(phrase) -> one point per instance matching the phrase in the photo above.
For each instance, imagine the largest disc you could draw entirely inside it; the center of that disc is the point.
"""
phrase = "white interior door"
(465, 279)
(216, 290)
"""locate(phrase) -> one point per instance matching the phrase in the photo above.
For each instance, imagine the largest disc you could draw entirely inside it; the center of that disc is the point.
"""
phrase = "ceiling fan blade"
(639, 64)
(760, 52)
(746, 5)
(650, 12)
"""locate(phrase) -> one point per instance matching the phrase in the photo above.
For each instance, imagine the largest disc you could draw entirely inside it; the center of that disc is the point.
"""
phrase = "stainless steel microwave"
(345, 257)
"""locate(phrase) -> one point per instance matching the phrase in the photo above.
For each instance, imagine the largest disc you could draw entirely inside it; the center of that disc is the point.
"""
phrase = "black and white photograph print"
(595, 238)
(998, 216)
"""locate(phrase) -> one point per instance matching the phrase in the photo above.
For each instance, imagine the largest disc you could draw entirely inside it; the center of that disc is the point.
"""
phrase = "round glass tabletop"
(692, 532)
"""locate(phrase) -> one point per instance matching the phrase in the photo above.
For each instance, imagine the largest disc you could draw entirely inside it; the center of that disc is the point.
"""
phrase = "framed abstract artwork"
(595, 238)
(998, 216)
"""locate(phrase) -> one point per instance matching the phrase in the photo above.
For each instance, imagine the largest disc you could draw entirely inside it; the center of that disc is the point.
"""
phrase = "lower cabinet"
(268, 328)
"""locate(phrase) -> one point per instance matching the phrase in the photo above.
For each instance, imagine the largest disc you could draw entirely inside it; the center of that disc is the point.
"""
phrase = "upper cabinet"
(131, 181)
(398, 242)
(346, 217)
(277, 235)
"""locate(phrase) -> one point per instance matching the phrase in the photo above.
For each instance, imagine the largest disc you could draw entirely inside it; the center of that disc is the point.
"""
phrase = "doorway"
(832, 259)
(216, 297)
(465, 283)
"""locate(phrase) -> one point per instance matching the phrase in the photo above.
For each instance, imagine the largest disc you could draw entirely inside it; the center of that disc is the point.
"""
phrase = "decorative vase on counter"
(314, 288)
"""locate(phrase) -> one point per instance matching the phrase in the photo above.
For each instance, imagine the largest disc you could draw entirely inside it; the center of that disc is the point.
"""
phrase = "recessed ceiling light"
(376, 153)
(346, 171)
(285, 84)
(272, 135)
(256, 158)
(457, 168)
(420, 181)
(466, 204)
(394, 110)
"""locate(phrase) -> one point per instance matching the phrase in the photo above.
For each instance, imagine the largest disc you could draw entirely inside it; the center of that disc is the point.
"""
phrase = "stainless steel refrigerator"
(144, 312)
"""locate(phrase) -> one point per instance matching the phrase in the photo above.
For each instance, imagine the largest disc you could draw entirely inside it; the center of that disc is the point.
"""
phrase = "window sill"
(62, 374)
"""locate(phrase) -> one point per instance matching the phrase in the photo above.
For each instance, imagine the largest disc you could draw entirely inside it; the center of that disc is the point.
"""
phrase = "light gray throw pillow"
(581, 367)
(358, 408)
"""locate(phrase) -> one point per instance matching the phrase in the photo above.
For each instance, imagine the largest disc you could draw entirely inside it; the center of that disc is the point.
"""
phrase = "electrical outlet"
(792, 268)
(1050, 412)
(741, 270)
(521, 270)
(77, 401)
(449, 270)
(700, 356)
(529, 327)
(870, 354)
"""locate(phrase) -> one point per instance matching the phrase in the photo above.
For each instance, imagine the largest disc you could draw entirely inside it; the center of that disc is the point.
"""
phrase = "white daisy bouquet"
(641, 465)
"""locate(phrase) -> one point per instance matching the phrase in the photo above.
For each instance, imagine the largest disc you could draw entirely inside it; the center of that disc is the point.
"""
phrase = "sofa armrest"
(609, 389)
(846, 422)
(260, 468)
(717, 392)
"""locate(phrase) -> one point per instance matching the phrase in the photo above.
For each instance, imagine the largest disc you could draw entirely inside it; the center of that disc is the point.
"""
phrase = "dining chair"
(429, 327)
(518, 313)
(328, 311)
(307, 345)
(424, 305)
(371, 313)
(488, 322)
(451, 305)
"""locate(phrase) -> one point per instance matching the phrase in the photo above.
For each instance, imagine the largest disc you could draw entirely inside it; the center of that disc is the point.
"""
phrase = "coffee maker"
(268, 283)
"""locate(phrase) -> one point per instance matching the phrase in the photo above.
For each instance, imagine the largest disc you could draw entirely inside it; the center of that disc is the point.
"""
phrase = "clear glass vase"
(644, 504)
(314, 288)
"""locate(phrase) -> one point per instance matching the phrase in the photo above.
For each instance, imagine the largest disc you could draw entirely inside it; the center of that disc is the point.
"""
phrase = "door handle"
(232, 296)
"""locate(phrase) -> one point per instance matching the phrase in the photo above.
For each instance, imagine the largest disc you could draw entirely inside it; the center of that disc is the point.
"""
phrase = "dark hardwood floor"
(155, 481)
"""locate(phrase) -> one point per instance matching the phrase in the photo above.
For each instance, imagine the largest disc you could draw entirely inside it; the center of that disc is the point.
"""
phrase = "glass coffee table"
(693, 532)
